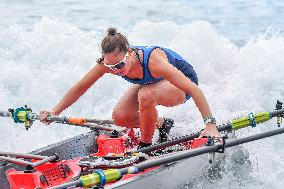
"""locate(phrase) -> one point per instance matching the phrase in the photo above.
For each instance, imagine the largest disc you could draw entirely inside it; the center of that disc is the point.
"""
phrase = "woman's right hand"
(43, 117)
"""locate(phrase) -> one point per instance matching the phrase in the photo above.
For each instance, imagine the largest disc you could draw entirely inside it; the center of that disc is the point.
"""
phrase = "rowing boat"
(107, 158)
(86, 144)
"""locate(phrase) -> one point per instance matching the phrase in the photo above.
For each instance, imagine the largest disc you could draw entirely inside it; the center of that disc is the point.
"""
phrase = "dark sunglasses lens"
(119, 66)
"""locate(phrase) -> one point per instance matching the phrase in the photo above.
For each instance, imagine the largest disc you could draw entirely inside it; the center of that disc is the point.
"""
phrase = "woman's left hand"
(210, 130)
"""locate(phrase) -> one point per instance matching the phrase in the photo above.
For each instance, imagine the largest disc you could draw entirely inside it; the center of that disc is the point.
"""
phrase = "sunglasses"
(118, 65)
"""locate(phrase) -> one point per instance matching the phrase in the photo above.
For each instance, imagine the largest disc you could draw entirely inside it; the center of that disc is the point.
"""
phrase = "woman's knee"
(146, 97)
(123, 117)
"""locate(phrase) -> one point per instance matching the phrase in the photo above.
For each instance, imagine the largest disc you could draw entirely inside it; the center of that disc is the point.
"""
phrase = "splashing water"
(41, 59)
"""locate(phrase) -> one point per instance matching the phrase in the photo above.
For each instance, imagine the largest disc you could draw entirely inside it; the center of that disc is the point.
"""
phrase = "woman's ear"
(130, 50)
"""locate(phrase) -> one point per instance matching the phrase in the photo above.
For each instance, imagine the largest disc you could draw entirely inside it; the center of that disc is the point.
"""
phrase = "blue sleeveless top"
(175, 59)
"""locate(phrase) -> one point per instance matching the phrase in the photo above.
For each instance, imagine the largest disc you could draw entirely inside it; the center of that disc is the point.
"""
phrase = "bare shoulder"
(158, 62)
(158, 55)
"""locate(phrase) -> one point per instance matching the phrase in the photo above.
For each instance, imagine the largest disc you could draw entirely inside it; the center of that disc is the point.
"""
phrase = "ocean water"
(236, 47)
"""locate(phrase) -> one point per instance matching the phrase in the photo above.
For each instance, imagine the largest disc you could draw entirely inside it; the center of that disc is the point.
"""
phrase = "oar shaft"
(21, 155)
(95, 126)
(76, 121)
(24, 115)
(79, 120)
(82, 122)
(58, 119)
(100, 121)
(173, 142)
(66, 185)
(199, 151)
(235, 124)
(277, 113)
(5, 114)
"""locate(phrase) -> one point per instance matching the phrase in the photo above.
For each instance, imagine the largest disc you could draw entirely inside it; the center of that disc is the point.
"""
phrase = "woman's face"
(118, 62)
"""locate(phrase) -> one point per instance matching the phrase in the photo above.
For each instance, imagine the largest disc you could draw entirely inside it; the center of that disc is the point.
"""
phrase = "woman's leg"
(149, 96)
(125, 112)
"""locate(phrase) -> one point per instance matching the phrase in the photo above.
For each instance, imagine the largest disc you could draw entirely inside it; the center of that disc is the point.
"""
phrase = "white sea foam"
(38, 65)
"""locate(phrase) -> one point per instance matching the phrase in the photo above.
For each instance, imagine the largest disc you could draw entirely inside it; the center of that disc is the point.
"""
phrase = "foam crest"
(39, 65)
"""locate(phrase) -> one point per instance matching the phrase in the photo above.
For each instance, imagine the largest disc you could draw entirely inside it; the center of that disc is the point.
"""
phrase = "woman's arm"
(160, 67)
(76, 91)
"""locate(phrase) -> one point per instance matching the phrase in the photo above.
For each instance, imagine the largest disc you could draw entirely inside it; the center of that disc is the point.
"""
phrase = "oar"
(21, 155)
(250, 120)
(79, 120)
(25, 115)
(99, 124)
(84, 122)
(101, 177)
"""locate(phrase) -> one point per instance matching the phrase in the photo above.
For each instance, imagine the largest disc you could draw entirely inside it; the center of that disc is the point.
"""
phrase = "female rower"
(159, 76)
